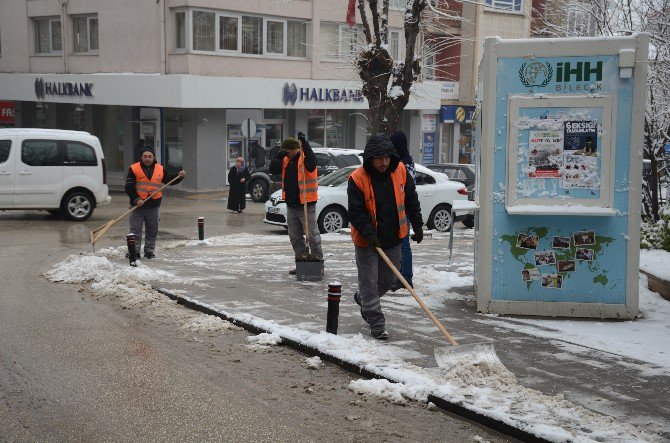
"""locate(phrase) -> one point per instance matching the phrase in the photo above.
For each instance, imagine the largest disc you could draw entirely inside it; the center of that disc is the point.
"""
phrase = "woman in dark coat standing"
(238, 177)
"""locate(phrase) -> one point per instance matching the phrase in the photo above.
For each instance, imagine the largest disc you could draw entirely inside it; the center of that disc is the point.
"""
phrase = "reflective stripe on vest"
(143, 185)
(311, 185)
(363, 182)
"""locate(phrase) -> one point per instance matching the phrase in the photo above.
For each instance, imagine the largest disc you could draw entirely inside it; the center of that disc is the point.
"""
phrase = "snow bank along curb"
(491, 423)
(658, 285)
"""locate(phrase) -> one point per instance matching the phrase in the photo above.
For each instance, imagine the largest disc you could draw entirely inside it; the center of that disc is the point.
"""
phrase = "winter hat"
(399, 140)
(148, 148)
(379, 145)
(290, 143)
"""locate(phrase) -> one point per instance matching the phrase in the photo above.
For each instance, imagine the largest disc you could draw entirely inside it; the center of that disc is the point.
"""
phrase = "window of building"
(338, 40)
(246, 34)
(204, 30)
(509, 5)
(180, 30)
(275, 39)
(228, 33)
(41, 153)
(48, 38)
(296, 39)
(394, 44)
(85, 33)
(252, 35)
(329, 128)
(580, 21)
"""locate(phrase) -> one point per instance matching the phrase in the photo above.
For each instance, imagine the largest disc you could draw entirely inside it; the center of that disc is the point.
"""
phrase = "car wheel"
(77, 206)
(440, 218)
(469, 222)
(332, 219)
(259, 191)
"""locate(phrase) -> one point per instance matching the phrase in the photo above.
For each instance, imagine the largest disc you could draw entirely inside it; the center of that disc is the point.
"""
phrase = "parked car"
(436, 194)
(464, 173)
(59, 171)
(262, 183)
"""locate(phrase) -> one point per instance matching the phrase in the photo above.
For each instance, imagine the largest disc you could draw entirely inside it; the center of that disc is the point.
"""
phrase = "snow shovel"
(97, 233)
(307, 268)
(456, 355)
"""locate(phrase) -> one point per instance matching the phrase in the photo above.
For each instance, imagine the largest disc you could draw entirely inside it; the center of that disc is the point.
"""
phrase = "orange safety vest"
(364, 183)
(311, 180)
(143, 185)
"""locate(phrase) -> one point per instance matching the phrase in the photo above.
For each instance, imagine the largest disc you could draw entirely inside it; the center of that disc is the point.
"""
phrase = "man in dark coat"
(381, 198)
(145, 177)
(238, 177)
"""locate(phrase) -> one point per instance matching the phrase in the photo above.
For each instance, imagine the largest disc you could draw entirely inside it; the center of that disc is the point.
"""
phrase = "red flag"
(351, 13)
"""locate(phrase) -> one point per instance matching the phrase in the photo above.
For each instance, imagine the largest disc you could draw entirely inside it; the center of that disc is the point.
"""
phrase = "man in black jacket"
(382, 198)
(297, 169)
(145, 177)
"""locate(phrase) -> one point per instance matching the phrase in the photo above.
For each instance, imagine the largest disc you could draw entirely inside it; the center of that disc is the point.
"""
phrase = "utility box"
(559, 161)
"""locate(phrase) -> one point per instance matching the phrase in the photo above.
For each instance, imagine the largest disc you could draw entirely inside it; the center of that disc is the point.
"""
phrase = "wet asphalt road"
(74, 367)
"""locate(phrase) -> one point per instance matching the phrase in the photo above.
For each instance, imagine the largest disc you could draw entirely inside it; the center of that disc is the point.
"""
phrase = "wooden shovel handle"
(416, 297)
(304, 198)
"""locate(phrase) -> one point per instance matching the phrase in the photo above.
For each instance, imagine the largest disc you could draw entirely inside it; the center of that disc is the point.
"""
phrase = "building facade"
(183, 75)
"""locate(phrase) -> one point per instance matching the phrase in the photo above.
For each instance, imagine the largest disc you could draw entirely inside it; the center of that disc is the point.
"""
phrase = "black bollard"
(201, 228)
(132, 254)
(334, 293)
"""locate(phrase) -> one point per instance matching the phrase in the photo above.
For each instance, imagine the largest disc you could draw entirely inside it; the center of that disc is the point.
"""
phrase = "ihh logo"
(39, 87)
(535, 74)
(289, 94)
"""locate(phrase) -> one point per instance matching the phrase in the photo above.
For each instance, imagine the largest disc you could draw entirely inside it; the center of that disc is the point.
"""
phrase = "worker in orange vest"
(295, 170)
(382, 200)
(145, 177)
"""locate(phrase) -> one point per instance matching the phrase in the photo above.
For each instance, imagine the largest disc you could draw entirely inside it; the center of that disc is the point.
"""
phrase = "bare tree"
(560, 18)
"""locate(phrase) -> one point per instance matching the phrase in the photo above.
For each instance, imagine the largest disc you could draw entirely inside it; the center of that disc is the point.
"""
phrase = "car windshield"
(347, 160)
(336, 178)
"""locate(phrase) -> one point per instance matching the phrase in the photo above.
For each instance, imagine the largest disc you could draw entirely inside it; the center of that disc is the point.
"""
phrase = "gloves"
(373, 243)
(418, 235)
(301, 136)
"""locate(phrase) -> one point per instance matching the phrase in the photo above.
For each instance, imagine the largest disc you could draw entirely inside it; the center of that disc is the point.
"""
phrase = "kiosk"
(559, 163)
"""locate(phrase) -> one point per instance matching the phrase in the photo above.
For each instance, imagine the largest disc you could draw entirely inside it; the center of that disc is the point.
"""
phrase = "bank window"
(79, 154)
(204, 30)
(394, 44)
(40, 153)
(228, 33)
(85, 33)
(338, 41)
(275, 39)
(252, 35)
(296, 39)
(48, 39)
(180, 30)
(4, 150)
(510, 5)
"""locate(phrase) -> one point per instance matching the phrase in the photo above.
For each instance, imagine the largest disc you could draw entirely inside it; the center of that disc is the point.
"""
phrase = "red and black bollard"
(201, 228)
(132, 254)
(334, 294)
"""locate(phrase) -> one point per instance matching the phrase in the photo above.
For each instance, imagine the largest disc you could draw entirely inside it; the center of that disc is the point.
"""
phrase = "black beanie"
(379, 145)
(399, 140)
(148, 148)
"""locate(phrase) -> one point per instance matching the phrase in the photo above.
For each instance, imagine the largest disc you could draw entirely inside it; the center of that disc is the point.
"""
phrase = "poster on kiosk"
(559, 176)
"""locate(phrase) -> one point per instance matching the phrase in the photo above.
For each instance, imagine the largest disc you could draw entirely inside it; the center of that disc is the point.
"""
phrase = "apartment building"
(184, 74)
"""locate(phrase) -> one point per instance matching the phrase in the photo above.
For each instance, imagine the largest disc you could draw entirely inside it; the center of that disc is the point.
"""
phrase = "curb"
(447, 406)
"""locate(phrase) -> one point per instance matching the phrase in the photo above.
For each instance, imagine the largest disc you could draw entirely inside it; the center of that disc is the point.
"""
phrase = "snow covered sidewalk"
(577, 380)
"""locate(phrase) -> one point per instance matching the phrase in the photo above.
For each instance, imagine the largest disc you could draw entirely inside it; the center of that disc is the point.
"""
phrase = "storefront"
(195, 122)
(456, 140)
(6, 114)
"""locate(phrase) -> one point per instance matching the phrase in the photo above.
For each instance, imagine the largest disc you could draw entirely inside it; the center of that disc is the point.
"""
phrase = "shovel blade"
(454, 357)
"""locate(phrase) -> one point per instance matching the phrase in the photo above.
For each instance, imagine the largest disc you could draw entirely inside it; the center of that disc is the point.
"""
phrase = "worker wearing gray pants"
(145, 216)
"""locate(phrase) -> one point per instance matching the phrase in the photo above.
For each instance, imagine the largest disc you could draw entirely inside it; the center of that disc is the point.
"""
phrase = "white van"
(59, 171)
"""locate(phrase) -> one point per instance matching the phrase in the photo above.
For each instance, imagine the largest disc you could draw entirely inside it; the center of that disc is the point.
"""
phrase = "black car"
(262, 183)
(460, 172)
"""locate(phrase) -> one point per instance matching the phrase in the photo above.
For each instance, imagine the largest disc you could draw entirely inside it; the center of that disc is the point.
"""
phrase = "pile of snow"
(265, 339)
(656, 262)
(314, 362)
(209, 323)
(382, 388)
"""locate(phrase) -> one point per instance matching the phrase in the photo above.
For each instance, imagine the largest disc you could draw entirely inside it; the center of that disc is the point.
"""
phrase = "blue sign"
(454, 113)
(428, 148)
(667, 148)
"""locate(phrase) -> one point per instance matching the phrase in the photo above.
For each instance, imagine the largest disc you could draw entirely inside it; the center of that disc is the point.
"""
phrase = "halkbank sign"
(567, 76)
(292, 93)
